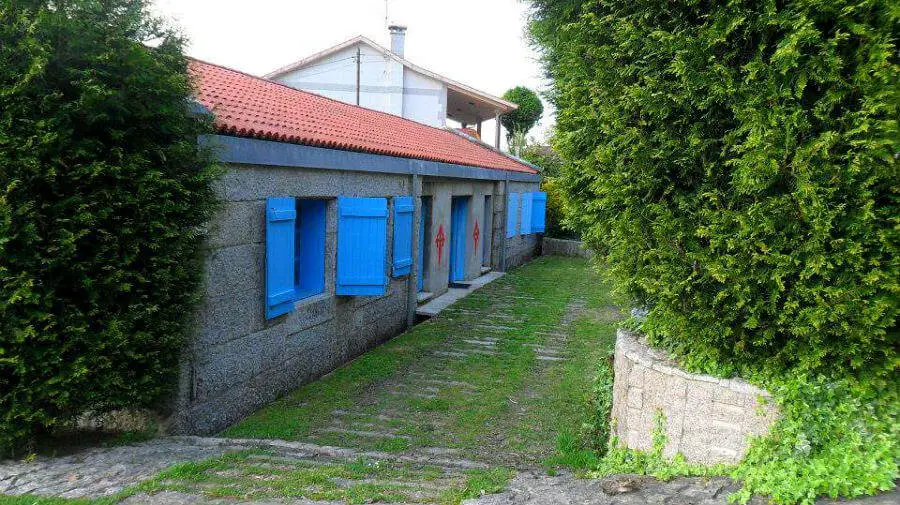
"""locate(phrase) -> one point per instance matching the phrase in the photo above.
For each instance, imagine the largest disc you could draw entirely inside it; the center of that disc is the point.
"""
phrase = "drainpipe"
(412, 294)
(505, 217)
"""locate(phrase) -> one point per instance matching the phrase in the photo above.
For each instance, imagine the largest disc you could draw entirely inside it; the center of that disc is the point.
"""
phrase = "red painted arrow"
(439, 241)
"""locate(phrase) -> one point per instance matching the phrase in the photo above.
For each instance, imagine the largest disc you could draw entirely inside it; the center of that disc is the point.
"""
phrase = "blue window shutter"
(362, 241)
(310, 249)
(512, 210)
(526, 213)
(539, 212)
(281, 215)
(403, 228)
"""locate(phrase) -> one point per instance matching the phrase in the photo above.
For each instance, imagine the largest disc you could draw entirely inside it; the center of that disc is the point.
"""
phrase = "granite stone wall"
(237, 361)
(707, 419)
(561, 247)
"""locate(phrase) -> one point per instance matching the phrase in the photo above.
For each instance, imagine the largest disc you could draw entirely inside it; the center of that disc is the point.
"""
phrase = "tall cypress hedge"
(103, 196)
(735, 166)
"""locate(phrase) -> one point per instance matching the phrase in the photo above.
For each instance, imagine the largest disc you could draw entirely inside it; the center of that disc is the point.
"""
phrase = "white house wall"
(424, 99)
(385, 85)
(381, 79)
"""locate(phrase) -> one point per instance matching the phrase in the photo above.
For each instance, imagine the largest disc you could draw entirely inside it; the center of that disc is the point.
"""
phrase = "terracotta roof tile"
(248, 106)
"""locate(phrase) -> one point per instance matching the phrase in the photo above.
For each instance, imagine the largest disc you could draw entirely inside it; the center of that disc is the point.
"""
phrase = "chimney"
(398, 37)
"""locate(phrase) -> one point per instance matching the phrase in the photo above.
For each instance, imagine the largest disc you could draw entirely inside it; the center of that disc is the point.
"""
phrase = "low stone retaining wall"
(560, 247)
(707, 419)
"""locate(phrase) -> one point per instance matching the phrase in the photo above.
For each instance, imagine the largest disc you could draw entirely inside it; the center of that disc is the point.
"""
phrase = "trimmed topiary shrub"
(103, 195)
(735, 167)
(526, 116)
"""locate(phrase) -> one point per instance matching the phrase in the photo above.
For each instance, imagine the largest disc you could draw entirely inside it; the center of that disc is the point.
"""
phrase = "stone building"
(336, 220)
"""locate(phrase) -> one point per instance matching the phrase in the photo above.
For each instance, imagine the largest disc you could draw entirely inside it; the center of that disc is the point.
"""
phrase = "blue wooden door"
(458, 217)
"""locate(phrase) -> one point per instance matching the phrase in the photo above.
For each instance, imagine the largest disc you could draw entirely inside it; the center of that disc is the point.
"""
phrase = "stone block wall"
(707, 419)
(237, 361)
(561, 247)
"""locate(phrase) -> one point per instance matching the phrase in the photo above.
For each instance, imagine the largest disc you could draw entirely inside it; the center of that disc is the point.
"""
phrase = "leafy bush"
(837, 436)
(551, 167)
(555, 227)
(103, 194)
(736, 167)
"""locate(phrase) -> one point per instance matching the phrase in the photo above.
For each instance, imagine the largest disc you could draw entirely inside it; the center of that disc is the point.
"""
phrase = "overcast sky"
(477, 42)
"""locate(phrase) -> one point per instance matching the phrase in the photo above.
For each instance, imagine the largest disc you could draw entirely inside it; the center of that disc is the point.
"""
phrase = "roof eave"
(314, 57)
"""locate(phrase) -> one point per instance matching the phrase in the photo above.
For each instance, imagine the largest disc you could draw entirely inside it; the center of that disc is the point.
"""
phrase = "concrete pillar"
(497, 133)
(413, 282)
(503, 239)
(439, 263)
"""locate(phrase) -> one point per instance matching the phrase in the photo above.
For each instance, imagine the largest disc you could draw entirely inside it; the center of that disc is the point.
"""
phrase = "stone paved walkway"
(485, 380)
(99, 472)
(540, 489)
(432, 416)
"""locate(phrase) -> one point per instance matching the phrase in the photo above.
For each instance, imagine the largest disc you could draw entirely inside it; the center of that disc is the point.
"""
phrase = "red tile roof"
(248, 106)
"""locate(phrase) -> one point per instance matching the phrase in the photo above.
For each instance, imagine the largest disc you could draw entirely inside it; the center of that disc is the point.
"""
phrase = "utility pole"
(357, 73)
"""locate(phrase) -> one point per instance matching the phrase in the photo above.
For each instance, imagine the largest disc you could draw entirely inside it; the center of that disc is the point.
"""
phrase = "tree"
(526, 116)
(103, 198)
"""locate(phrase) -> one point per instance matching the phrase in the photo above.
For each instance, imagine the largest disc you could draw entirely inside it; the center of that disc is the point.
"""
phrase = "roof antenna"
(386, 23)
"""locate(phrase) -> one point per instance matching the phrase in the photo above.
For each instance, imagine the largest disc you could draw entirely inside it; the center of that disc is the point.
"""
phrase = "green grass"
(479, 482)
(258, 475)
(508, 410)
(535, 299)
(514, 411)
(580, 444)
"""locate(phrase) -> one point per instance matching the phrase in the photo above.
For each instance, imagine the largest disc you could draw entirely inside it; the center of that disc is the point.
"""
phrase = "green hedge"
(103, 195)
(735, 167)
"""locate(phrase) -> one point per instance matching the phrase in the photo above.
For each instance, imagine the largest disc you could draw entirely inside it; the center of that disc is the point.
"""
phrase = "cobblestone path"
(446, 412)
(455, 403)
(108, 472)
(481, 381)
(529, 488)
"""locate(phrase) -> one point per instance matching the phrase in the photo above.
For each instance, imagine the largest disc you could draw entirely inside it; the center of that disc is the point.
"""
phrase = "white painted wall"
(424, 99)
(385, 85)
(381, 79)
